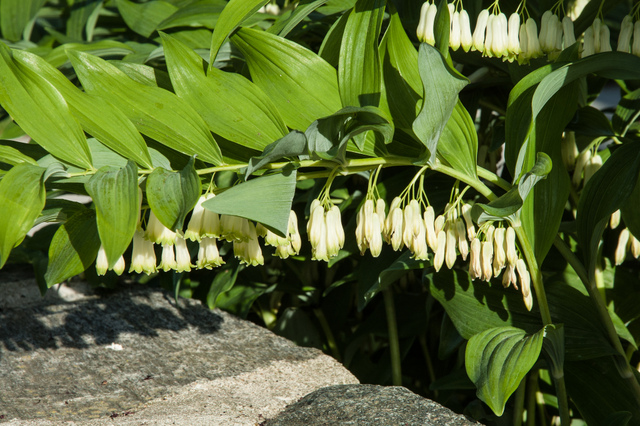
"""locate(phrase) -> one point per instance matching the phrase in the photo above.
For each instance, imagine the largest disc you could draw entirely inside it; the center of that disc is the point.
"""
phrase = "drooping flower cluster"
(517, 38)
(627, 242)
(325, 230)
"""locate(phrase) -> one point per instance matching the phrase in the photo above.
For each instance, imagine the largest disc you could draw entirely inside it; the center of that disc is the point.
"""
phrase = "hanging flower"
(621, 249)
(168, 260)
(454, 28)
(143, 256)
(568, 33)
(208, 254)
(478, 38)
(203, 222)
(475, 259)
(626, 31)
(248, 251)
(158, 233)
(466, 39)
(183, 258)
(499, 253)
(425, 31)
(102, 263)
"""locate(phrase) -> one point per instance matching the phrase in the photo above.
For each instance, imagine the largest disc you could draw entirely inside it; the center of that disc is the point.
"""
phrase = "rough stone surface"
(366, 405)
(137, 356)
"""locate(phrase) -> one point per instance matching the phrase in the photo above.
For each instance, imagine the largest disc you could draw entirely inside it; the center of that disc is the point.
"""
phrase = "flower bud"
(478, 39)
(594, 164)
(488, 39)
(597, 25)
(388, 222)
(438, 259)
(143, 257)
(419, 244)
(158, 233)
(510, 246)
(335, 232)
(466, 214)
(466, 39)
(375, 243)
(626, 31)
(588, 47)
(621, 249)
(315, 224)
(319, 250)
(500, 36)
(523, 57)
(509, 276)
(168, 260)
(605, 39)
(487, 259)
(438, 224)
(569, 150)
(614, 221)
(380, 208)
(208, 254)
(397, 225)
(454, 31)
(450, 253)
(429, 223)
(475, 259)
(634, 246)
(513, 43)
(248, 250)
(544, 30)
(581, 162)
(569, 37)
(183, 258)
(635, 46)
(461, 233)
(408, 221)
(119, 267)
(499, 254)
(525, 283)
(533, 44)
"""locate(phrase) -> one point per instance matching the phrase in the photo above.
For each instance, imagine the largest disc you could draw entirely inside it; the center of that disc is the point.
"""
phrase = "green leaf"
(442, 29)
(328, 136)
(232, 16)
(589, 121)
(604, 193)
(143, 18)
(12, 156)
(223, 281)
(441, 86)
(274, 193)
(97, 117)
(155, 112)
(80, 18)
(458, 143)
(498, 359)
(115, 194)
(41, 111)
(627, 112)
(359, 73)
(291, 145)
(73, 248)
(631, 211)
(300, 83)
(15, 14)
(539, 171)
(22, 197)
(401, 77)
(172, 195)
(58, 56)
(230, 105)
(553, 346)
(399, 268)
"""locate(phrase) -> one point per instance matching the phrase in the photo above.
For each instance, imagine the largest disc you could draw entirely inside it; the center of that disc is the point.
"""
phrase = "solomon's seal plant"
(292, 160)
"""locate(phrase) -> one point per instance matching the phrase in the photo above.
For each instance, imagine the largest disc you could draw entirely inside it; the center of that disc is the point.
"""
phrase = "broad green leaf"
(441, 87)
(115, 195)
(14, 16)
(143, 18)
(401, 77)
(231, 17)
(589, 121)
(458, 143)
(631, 211)
(359, 73)
(336, 6)
(399, 268)
(41, 111)
(274, 194)
(291, 145)
(172, 195)
(59, 210)
(230, 105)
(604, 193)
(614, 65)
(498, 359)
(539, 171)
(284, 24)
(58, 56)
(627, 112)
(442, 29)
(96, 116)
(155, 112)
(9, 155)
(22, 197)
(201, 13)
(330, 47)
(300, 83)
(328, 137)
(554, 350)
(73, 248)
(80, 14)
(31, 150)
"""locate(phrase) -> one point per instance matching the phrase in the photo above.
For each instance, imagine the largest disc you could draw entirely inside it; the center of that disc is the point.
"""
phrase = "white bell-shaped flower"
(158, 233)
(438, 259)
(475, 259)
(621, 248)
(183, 257)
(478, 38)
(568, 33)
(454, 31)
(626, 31)
(208, 254)
(513, 34)
(635, 46)
(466, 38)
(143, 256)
(168, 259)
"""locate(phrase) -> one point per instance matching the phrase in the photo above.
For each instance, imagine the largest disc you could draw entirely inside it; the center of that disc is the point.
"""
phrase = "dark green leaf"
(223, 281)
(73, 248)
(22, 197)
(284, 24)
(201, 13)
(115, 194)
(14, 16)
(273, 193)
(627, 112)
(172, 195)
(291, 145)
(143, 18)
(441, 87)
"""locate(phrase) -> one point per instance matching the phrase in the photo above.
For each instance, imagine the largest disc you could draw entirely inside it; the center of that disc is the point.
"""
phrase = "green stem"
(592, 288)
(463, 177)
(394, 343)
(427, 359)
(519, 403)
(532, 390)
(331, 341)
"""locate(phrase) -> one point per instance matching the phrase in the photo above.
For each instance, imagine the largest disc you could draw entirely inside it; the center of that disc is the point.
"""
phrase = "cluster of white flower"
(205, 227)
(510, 39)
(325, 230)
(627, 242)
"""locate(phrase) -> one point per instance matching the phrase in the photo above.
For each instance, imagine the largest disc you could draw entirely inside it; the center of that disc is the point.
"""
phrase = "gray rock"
(366, 405)
(137, 356)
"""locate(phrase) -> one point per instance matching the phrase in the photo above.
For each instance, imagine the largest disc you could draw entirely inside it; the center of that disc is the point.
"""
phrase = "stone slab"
(135, 355)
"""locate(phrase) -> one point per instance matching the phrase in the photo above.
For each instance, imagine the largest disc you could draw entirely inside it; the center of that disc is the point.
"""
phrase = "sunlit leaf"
(115, 195)
(15, 14)
(291, 145)
(143, 18)
(458, 144)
